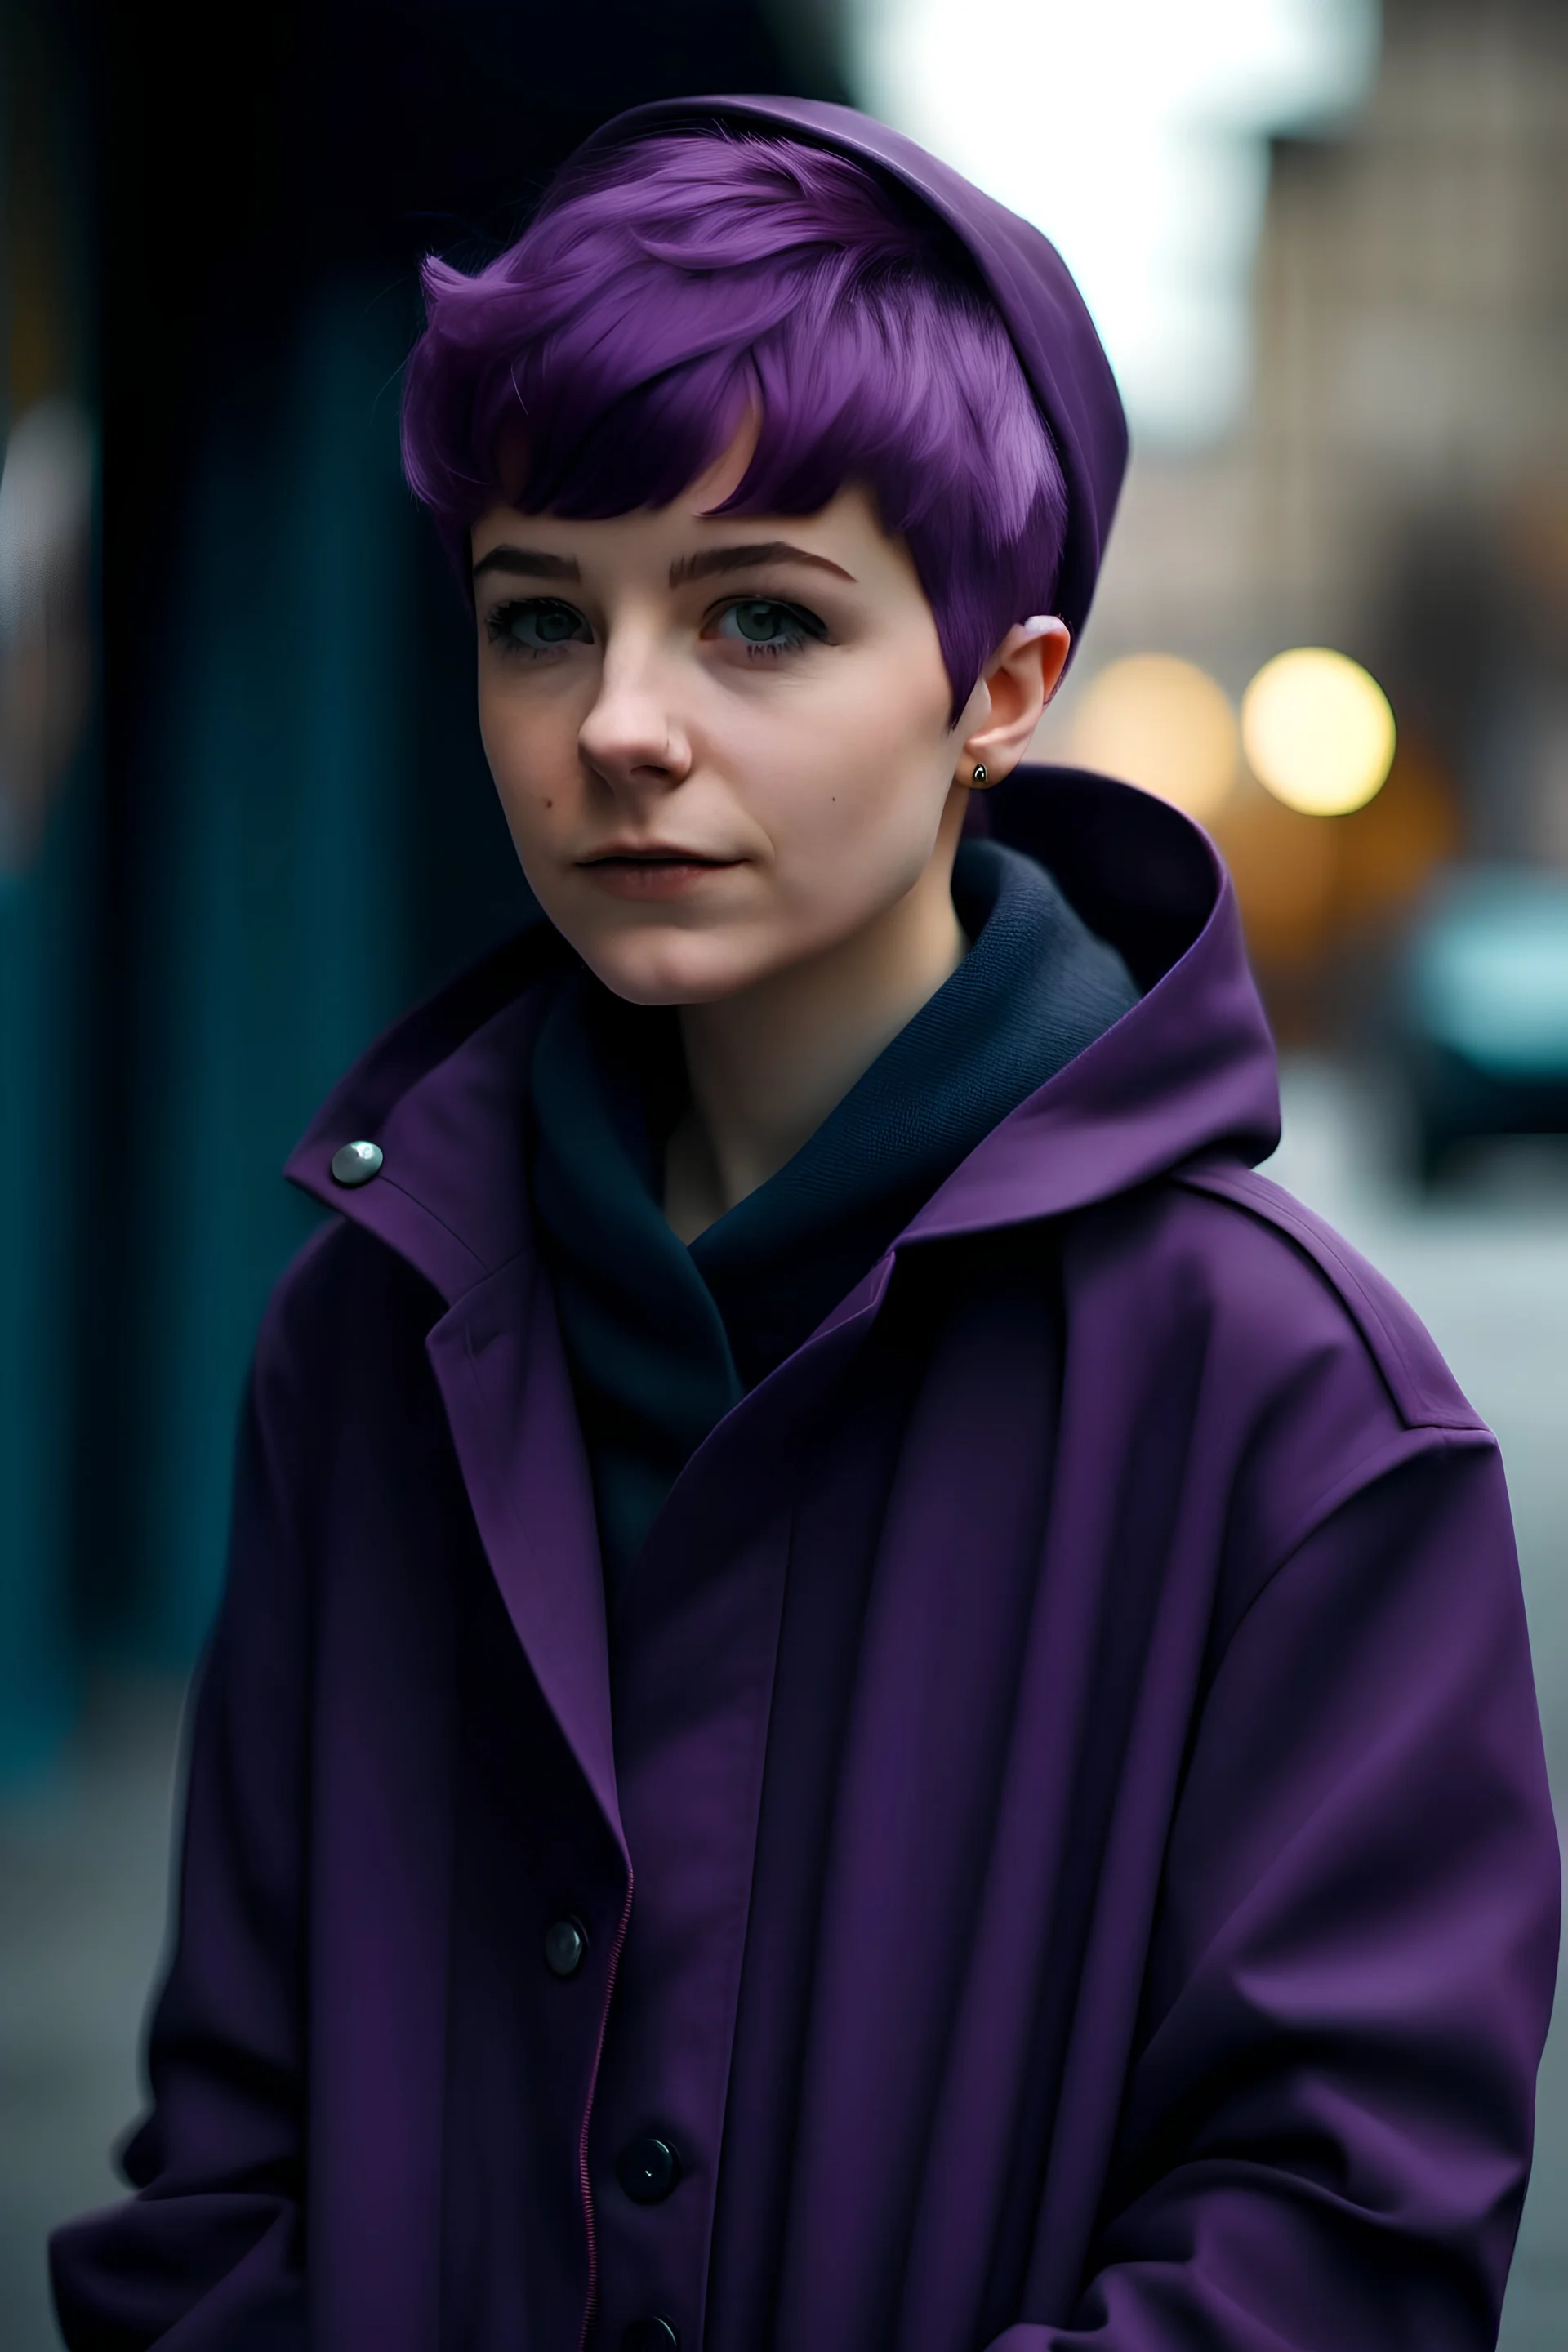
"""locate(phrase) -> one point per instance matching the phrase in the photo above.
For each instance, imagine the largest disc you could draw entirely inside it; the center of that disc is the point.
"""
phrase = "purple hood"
(1188, 1073)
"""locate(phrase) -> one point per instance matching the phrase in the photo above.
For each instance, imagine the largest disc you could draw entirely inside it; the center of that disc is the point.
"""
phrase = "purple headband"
(1031, 285)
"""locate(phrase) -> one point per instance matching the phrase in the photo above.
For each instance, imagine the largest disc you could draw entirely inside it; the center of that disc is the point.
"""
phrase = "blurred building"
(1398, 488)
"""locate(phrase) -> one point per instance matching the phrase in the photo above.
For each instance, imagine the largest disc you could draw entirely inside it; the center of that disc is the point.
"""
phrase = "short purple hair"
(670, 286)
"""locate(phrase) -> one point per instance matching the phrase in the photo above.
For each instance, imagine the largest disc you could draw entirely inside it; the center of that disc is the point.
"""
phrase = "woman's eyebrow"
(749, 559)
(528, 564)
(534, 564)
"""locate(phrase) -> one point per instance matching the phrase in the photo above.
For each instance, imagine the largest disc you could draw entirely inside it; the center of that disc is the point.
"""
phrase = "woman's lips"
(652, 877)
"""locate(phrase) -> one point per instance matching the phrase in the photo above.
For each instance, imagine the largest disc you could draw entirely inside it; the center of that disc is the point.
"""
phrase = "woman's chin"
(685, 970)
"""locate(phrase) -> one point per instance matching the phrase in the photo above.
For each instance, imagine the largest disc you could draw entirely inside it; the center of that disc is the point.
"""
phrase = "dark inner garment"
(662, 1339)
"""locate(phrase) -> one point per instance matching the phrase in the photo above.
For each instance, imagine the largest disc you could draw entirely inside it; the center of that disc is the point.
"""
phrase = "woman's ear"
(1019, 680)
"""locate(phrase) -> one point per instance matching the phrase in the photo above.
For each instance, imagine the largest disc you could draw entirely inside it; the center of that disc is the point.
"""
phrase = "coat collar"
(441, 1095)
(1189, 1071)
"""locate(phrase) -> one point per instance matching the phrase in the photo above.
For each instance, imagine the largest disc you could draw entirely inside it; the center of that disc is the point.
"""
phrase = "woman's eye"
(536, 624)
(766, 627)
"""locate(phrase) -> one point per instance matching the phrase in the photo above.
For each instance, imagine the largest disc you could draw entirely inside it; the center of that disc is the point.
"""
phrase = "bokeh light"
(1318, 731)
(1163, 724)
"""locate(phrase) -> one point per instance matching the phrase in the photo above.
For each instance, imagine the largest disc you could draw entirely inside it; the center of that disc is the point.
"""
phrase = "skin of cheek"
(831, 782)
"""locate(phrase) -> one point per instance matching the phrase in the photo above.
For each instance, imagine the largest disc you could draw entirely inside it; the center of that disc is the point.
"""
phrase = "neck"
(766, 1065)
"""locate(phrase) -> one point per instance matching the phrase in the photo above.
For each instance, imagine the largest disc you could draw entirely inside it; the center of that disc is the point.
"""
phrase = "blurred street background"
(245, 819)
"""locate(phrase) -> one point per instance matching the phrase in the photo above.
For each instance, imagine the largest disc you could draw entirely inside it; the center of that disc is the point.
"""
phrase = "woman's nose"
(632, 736)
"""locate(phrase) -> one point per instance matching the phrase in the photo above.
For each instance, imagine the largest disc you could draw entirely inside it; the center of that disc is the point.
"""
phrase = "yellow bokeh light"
(1318, 731)
(1161, 723)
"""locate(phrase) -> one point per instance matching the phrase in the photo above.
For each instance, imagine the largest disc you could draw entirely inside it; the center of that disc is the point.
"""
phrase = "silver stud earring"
(980, 776)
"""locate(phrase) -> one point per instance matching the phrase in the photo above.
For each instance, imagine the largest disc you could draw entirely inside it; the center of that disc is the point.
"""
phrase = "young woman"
(869, 1700)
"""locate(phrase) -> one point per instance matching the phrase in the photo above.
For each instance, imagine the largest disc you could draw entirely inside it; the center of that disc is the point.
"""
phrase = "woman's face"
(721, 743)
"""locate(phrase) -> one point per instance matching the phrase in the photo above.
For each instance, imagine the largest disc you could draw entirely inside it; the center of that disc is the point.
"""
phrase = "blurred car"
(1483, 1011)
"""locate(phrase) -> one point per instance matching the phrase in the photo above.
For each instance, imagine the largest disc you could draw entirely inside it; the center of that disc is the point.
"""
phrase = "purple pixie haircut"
(668, 287)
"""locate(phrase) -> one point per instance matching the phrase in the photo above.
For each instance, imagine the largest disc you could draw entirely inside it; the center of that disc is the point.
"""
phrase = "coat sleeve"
(206, 2257)
(1327, 2130)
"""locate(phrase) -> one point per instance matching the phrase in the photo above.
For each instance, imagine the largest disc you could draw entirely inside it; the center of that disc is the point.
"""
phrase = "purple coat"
(1071, 1726)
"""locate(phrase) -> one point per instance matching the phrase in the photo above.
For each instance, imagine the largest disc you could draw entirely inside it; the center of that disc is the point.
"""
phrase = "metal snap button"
(565, 1943)
(356, 1163)
(648, 2169)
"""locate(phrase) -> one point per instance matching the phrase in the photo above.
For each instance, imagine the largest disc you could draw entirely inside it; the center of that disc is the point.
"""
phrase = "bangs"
(683, 284)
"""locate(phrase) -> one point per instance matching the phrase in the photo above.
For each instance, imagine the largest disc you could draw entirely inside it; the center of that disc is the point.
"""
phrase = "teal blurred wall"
(46, 890)
(266, 938)
(46, 1132)
(273, 921)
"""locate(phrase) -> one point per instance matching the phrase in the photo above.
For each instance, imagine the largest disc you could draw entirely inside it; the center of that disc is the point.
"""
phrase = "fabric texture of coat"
(1058, 1819)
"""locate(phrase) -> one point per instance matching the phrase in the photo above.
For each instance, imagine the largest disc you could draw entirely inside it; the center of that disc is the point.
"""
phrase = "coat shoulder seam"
(1424, 1393)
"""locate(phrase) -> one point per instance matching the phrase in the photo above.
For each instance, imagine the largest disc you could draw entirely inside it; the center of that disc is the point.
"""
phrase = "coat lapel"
(450, 1197)
(502, 1372)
